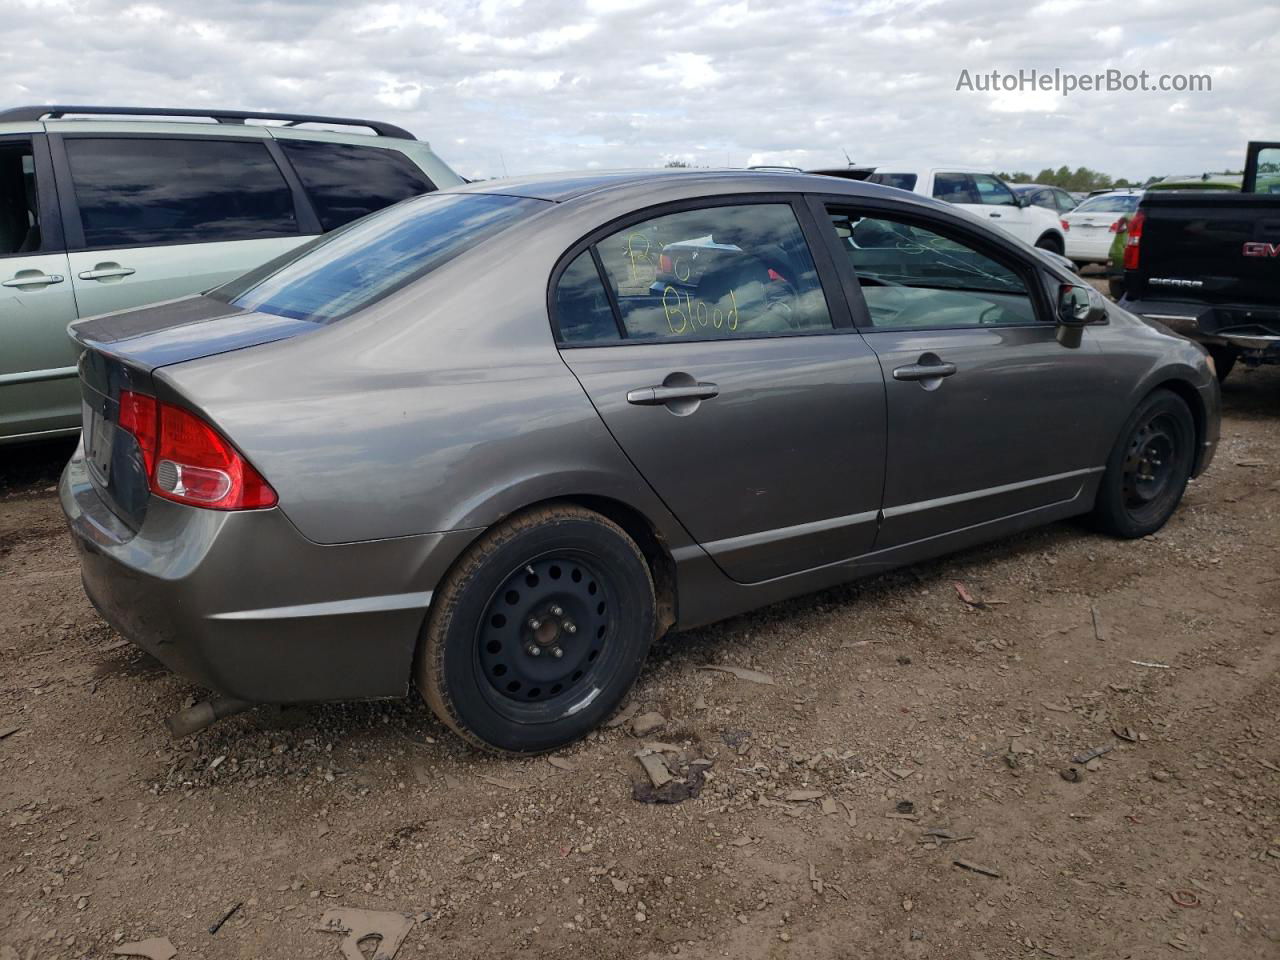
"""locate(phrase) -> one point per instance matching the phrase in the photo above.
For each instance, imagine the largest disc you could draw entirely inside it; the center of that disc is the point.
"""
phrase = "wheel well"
(1191, 397)
(656, 554)
(1054, 238)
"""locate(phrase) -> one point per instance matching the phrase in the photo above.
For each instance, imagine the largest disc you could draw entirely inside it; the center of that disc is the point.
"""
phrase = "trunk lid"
(120, 351)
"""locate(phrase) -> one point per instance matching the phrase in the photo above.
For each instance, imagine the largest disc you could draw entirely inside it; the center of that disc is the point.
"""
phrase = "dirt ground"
(906, 731)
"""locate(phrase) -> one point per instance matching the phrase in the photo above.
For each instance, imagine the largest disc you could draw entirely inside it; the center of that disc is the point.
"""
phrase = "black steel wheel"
(539, 631)
(545, 632)
(1149, 467)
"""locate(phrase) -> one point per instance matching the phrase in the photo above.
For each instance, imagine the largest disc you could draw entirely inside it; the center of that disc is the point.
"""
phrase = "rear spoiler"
(848, 173)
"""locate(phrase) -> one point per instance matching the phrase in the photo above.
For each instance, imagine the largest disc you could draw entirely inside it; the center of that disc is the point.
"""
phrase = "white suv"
(980, 192)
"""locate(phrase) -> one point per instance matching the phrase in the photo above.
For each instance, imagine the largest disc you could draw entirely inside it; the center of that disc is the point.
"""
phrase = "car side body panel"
(394, 440)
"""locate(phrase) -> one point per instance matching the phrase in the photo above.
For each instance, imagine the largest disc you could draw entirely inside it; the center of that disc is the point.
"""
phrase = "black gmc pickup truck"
(1207, 264)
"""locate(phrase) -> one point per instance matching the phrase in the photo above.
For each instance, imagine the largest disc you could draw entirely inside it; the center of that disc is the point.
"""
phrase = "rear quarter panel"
(445, 407)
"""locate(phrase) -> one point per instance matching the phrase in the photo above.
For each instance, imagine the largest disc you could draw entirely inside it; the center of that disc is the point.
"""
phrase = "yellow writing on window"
(686, 315)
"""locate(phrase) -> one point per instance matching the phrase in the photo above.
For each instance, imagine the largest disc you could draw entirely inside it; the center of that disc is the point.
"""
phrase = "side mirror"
(1078, 306)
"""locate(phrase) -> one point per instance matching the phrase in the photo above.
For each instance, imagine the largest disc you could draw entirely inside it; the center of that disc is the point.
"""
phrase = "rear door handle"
(32, 279)
(653, 396)
(924, 371)
(106, 271)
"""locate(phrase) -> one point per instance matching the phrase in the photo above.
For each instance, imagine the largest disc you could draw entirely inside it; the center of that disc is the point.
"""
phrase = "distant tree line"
(1081, 179)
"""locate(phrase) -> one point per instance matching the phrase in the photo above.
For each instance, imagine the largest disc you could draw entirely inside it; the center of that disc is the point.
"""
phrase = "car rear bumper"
(1088, 250)
(242, 603)
(1253, 330)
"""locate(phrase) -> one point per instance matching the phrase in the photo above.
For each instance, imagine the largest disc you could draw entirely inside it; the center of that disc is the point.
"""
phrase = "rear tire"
(559, 580)
(1148, 469)
(1224, 358)
(1115, 287)
(1051, 243)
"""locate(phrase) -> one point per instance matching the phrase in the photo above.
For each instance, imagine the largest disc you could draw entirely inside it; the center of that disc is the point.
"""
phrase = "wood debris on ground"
(742, 673)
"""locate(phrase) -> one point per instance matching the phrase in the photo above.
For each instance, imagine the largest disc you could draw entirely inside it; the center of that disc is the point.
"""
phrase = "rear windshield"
(1116, 203)
(903, 181)
(372, 258)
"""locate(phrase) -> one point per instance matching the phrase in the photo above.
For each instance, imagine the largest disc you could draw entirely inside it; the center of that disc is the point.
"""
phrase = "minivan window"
(352, 268)
(903, 181)
(346, 182)
(144, 191)
(19, 212)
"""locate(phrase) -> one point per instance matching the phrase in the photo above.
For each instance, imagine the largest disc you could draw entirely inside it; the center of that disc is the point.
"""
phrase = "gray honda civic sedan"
(491, 442)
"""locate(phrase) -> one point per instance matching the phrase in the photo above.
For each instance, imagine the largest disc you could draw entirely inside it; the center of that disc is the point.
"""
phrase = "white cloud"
(557, 84)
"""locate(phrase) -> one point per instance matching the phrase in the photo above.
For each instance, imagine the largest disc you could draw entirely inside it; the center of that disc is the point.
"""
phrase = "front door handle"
(32, 278)
(924, 371)
(654, 396)
(106, 271)
(996, 215)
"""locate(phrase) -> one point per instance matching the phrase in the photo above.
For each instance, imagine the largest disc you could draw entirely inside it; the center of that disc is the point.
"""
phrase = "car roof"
(560, 187)
(922, 168)
(1037, 186)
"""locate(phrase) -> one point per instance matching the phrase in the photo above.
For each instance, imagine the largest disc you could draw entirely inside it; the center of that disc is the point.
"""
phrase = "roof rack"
(58, 111)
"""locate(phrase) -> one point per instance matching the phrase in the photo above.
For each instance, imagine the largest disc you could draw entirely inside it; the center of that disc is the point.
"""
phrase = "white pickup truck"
(975, 189)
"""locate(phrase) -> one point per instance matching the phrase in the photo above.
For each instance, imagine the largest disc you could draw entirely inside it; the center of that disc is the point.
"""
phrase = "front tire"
(538, 632)
(1148, 469)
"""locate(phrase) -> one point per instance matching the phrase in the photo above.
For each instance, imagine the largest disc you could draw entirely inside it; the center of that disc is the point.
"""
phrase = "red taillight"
(138, 416)
(665, 264)
(1066, 227)
(188, 461)
(1131, 242)
(1120, 226)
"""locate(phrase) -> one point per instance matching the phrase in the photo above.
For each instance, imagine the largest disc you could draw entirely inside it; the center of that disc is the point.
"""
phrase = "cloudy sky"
(502, 85)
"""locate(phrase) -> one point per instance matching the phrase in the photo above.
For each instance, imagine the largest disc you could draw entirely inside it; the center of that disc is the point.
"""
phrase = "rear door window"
(346, 182)
(146, 191)
(955, 188)
(582, 306)
(903, 181)
(725, 272)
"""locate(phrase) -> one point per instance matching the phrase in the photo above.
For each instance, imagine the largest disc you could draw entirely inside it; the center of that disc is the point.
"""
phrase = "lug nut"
(557, 652)
(556, 611)
(570, 627)
(534, 623)
(534, 650)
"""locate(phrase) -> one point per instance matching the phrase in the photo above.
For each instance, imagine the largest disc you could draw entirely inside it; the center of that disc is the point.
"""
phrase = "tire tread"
(429, 669)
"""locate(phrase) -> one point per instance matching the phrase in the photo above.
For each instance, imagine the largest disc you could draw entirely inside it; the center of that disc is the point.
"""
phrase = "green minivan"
(110, 208)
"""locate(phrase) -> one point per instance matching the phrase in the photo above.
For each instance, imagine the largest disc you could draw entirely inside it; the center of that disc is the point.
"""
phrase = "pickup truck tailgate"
(1209, 248)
